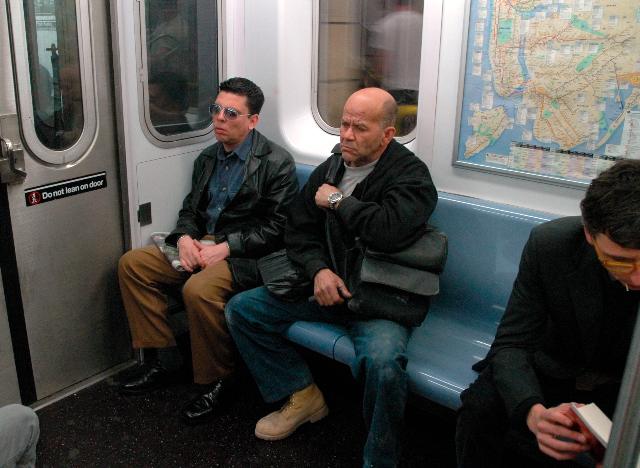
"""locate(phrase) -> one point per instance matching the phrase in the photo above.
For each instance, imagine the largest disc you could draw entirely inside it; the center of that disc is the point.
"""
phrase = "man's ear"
(389, 133)
(588, 235)
(253, 121)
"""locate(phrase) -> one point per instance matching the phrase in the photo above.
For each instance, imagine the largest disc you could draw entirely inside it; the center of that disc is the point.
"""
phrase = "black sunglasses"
(229, 112)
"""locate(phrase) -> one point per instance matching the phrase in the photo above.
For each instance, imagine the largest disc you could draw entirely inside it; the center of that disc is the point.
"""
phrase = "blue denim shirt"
(226, 179)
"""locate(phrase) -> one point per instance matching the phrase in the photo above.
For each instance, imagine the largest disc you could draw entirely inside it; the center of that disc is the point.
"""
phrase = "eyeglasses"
(229, 112)
(615, 266)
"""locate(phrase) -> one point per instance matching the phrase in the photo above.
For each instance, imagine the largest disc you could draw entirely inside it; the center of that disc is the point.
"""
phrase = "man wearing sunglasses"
(234, 214)
(564, 336)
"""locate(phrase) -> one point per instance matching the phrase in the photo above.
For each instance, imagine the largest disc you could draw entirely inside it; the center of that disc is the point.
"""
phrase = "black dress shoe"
(203, 407)
(153, 377)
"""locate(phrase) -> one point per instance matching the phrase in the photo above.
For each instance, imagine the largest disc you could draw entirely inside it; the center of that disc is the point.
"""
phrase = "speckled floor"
(99, 427)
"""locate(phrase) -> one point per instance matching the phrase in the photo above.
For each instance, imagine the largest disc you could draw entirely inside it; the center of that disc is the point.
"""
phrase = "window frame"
(18, 37)
(315, 83)
(153, 136)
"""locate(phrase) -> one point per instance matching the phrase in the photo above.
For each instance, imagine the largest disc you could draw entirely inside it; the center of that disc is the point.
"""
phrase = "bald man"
(383, 195)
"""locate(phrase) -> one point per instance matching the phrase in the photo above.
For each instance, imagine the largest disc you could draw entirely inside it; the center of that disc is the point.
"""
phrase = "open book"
(595, 425)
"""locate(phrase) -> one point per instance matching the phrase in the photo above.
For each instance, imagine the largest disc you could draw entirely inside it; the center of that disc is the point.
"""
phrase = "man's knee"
(482, 397)
(239, 309)
(20, 416)
(212, 285)
(20, 419)
(253, 309)
(193, 289)
(472, 417)
(384, 351)
(197, 288)
(127, 264)
(386, 364)
(482, 409)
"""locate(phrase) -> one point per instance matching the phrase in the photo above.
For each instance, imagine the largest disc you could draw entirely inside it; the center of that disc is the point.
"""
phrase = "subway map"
(551, 87)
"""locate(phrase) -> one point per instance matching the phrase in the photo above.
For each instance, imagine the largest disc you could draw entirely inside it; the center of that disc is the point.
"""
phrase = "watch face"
(335, 197)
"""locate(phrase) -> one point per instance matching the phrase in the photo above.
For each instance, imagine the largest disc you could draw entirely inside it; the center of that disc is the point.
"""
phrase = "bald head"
(367, 125)
(379, 104)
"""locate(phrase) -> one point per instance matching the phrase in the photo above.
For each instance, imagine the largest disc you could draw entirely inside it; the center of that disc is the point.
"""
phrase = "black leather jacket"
(253, 221)
(387, 210)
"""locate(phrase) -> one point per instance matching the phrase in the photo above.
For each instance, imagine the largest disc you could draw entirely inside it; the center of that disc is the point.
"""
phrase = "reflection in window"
(369, 43)
(54, 67)
(182, 52)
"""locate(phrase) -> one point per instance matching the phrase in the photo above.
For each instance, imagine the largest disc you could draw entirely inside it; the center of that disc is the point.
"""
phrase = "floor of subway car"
(99, 427)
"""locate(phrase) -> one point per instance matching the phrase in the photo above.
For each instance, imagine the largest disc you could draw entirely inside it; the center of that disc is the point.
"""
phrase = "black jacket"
(253, 221)
(553, 318)
(387, 210)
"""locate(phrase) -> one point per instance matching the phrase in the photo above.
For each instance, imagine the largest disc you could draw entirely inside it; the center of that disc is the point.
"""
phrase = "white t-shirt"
(399, 34)
(353, 176)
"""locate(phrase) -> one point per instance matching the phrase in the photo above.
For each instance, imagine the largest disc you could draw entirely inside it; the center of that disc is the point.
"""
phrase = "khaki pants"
(144, 273)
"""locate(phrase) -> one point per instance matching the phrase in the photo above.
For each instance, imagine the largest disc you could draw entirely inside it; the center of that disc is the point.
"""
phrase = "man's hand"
(210, 254)
(322, 195)
(189, 253)
(329, 289)
(553, 430)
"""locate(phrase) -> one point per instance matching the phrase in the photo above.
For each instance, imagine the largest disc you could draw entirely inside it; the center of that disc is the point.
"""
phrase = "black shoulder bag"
(284, 279)
(398, 286)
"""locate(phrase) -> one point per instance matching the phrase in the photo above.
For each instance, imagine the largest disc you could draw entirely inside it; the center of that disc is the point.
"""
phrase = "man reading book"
(240, 189)
(564, 336)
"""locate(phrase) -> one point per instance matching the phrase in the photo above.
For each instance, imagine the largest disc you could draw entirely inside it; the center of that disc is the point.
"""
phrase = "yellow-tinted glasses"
(615, 266)
(229, 112)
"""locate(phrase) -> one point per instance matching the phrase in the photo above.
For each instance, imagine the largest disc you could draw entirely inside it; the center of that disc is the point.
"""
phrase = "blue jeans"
(257, 321)
(19, 433)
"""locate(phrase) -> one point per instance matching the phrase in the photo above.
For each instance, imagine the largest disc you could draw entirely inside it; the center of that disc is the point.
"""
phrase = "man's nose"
(347, 133)
(634, 278)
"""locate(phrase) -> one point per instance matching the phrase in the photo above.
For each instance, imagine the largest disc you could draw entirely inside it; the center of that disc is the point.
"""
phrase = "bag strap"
(331, 178)
(335, 164)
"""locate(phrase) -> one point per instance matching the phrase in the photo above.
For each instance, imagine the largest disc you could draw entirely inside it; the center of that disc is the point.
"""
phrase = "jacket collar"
(392, 150)
(585, 284)
(259, 149)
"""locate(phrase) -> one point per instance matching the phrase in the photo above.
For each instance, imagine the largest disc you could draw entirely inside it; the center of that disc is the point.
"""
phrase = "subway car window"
(54, 69)
(182, 64)
(369, 43)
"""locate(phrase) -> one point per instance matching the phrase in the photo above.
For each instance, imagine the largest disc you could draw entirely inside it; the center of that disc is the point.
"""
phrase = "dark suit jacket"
(553, 317)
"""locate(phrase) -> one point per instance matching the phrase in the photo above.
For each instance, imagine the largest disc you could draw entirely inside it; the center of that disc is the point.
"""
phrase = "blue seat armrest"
(319, 337)
(343, 350)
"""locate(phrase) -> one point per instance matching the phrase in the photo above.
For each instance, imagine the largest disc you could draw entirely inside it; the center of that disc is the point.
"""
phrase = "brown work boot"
(306, 405)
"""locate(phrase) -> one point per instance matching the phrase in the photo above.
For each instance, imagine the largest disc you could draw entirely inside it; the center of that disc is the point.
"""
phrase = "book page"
(595, 420)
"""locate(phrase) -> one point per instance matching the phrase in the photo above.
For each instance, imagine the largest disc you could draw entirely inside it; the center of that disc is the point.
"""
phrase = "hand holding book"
(594, 425)
(556, 432)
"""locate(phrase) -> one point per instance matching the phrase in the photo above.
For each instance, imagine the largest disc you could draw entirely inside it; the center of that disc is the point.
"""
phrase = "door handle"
(11, 158)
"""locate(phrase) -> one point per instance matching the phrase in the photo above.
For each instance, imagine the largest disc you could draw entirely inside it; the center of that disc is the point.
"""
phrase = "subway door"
(61, 205)
(9, 391)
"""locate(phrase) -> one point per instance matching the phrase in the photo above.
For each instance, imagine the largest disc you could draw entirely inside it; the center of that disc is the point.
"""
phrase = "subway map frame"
(550, 89)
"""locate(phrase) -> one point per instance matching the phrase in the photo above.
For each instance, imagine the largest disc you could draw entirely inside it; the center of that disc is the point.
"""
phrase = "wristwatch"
(334, 199)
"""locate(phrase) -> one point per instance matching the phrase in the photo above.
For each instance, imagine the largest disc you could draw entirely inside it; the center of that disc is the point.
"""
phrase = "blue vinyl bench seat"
(485, 243)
